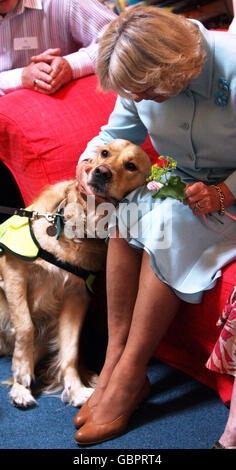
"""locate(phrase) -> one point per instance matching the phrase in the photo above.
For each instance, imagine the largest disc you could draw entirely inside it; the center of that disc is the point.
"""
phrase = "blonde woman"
(177, 82)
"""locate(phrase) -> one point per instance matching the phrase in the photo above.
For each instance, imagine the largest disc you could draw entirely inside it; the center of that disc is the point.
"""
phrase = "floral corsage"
(165, 184)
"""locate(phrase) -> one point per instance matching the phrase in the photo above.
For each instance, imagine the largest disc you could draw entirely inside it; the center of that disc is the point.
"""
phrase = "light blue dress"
(198, 129)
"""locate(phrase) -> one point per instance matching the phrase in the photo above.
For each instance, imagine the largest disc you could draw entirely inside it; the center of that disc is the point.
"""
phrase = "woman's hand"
(203, 199)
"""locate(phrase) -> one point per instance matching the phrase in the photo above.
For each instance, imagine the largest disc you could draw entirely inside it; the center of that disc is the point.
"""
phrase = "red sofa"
(41, 139)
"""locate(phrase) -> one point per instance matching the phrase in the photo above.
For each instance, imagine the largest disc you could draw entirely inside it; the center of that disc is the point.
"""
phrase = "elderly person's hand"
(46, 56)
(61, 72)
(37, 75)
(203, 199)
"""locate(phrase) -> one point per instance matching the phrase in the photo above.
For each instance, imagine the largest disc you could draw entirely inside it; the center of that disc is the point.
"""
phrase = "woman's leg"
(228, 437)
(155, 308)
(123, 269)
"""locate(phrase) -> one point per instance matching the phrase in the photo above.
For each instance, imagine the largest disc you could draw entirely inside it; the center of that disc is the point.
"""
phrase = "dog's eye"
(105, 153)
(130, 166)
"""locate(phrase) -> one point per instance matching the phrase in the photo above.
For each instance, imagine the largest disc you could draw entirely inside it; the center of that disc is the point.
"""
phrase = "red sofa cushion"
(42, 137)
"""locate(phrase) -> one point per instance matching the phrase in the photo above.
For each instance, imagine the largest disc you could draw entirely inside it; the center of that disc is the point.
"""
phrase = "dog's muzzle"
(100, 177)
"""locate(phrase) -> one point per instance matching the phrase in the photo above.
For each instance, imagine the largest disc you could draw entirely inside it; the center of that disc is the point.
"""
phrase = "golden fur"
(42, 307)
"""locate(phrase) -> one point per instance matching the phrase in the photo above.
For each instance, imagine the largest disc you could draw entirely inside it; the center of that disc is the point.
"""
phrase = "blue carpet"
(180, 413)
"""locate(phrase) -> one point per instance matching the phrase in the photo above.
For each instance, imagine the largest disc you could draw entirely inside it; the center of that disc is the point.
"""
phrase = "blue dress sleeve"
(124, 123)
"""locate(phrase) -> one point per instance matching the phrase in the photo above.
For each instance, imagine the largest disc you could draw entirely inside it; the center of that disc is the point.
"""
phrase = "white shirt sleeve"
(10, 79)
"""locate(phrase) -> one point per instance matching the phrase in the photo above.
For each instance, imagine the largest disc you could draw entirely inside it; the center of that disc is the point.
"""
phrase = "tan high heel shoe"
(83, 414)
(92, 433)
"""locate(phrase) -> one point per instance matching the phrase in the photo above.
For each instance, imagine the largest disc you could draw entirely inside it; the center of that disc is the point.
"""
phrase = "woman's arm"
(124, 123)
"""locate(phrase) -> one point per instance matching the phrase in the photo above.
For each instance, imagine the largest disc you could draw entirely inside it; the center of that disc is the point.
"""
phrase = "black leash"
(55, 219)
(16, 211)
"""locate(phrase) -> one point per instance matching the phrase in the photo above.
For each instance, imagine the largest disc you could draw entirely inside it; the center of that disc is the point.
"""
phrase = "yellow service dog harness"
(17, 237)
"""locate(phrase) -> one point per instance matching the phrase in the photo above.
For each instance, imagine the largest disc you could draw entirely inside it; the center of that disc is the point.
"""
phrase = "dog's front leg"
(70, 325)
(22, 362)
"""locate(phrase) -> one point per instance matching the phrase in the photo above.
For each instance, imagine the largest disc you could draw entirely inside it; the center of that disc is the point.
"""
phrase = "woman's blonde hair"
(148, 47)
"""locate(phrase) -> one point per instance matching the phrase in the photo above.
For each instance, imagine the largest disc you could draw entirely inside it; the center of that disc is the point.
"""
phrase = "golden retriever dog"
(43, 305)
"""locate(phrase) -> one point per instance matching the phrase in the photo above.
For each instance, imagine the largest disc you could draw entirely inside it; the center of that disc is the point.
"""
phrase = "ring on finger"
(35, 82)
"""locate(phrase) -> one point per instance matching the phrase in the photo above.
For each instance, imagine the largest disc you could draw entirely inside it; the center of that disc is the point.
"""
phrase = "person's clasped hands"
(47, 72)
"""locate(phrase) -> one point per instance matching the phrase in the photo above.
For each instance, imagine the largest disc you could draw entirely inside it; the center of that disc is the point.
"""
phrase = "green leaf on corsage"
(174, 188)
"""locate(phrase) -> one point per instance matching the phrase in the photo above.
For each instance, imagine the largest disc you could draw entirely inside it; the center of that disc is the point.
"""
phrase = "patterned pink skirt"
(223, 356)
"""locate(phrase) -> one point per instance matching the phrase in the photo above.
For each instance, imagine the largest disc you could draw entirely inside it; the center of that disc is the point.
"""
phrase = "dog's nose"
(103, 173)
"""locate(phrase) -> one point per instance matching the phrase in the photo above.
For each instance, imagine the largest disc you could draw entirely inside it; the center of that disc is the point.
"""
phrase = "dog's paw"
(76, 397)
(21, 396)
(22, 372)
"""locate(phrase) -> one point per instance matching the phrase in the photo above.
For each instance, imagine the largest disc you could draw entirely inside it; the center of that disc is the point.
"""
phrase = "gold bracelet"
(221, 198)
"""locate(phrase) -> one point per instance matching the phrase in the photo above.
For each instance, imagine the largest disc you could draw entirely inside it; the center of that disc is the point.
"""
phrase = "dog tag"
(51, 230)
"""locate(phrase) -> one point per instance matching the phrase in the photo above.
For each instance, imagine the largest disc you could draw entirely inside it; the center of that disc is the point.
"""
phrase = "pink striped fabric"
(223, 356)
(73, 25)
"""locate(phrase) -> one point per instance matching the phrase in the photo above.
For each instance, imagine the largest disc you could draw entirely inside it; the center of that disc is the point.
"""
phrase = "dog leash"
(54, 218)
(30, 214)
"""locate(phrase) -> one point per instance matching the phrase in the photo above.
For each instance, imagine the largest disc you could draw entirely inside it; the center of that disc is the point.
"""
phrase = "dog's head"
(118, 168)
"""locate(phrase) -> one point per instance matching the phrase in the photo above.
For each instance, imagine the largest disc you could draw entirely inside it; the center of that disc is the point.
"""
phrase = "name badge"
(21, 44)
